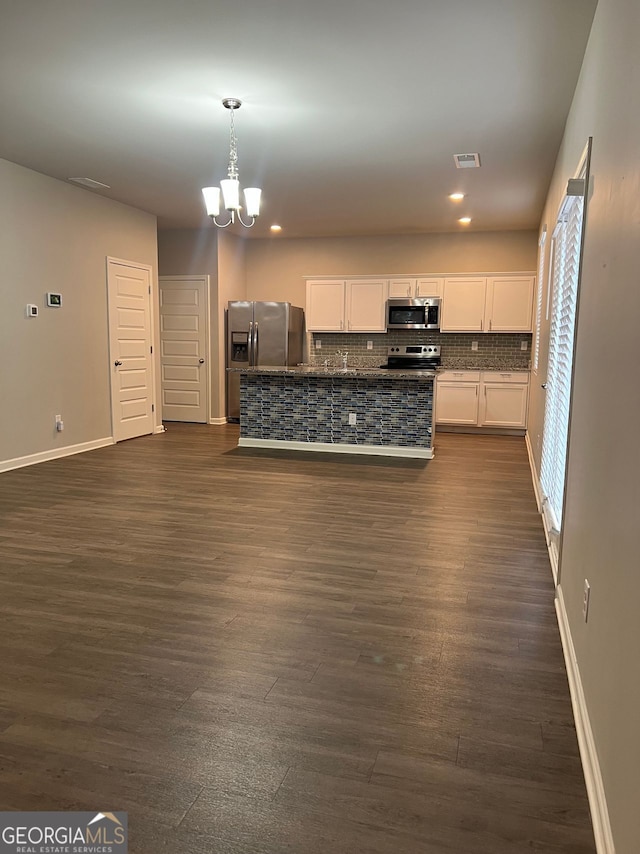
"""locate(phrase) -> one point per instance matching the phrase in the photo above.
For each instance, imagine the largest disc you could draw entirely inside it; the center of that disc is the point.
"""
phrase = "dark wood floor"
(257, 652)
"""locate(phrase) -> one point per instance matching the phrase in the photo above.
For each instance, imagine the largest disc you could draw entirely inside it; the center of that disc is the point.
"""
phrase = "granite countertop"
(350, 372)
(466, 363)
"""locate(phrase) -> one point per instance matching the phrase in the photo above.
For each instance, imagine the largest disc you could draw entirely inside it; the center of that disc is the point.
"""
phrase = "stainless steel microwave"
(420, 313)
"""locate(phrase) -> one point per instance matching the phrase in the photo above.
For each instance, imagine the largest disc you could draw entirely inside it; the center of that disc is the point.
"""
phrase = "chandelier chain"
(233, 150)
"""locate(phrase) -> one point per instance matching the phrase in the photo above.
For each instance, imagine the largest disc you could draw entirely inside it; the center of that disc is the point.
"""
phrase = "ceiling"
(352, 109)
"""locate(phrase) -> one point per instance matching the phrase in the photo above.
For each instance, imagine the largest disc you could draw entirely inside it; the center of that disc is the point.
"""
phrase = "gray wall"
(601, 540)
(56, 237)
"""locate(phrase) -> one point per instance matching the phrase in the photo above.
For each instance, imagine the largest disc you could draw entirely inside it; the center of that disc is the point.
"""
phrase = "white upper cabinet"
(325, 305)
(469, 303)
(399, 288)
(412, 288)
(365, 305)
(463, 302)
(509, 305)
(429, 287)
(494, 304)
(346, 305)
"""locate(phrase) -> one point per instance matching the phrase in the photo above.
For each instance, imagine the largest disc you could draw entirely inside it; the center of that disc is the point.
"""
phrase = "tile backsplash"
(493, 348)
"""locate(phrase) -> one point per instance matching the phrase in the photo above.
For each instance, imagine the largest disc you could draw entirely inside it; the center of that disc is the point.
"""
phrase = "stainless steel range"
(423, 357)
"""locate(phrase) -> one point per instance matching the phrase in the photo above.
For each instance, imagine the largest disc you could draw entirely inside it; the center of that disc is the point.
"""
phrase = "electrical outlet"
(474, 345)
(369, 345)
(523, 345)
(318, 344)
(353, 419)
(586, 596)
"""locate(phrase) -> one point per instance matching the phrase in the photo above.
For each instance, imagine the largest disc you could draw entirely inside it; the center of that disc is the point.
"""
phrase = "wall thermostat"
(32, 310)
(54, 300)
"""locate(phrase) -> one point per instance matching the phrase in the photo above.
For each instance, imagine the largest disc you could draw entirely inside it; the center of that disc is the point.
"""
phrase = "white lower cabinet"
(457, 397)
(482, 399)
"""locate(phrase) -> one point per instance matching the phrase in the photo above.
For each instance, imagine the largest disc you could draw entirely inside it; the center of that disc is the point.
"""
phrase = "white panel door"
(183, 343)
(129, 296)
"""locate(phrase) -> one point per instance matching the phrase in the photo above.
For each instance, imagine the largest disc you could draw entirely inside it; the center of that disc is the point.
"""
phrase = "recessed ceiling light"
(456, 197)
(275, 227)
(464, 220)
(89, 182)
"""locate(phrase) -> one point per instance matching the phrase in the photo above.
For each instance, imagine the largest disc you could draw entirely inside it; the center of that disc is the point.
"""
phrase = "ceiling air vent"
(467, 161)
(89, 182)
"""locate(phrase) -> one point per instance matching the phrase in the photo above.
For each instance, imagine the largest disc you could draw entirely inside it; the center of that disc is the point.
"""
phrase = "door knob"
(544, 386)
(201, 361)
(117, 363)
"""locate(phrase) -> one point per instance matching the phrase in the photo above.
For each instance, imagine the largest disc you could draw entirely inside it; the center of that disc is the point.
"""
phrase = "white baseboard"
(335, 448)
(586, 742)
(160, 428)
(54, 454)
(218, 420)
(551, 536)
(534, 474)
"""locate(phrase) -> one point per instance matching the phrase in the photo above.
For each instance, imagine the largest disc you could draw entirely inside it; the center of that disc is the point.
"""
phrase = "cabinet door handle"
(476, 391)
(342, 324)
(481, 324)
(490, 325)
(409, 291)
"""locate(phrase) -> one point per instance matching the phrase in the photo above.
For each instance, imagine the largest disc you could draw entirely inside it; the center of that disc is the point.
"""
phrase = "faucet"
(343, 356)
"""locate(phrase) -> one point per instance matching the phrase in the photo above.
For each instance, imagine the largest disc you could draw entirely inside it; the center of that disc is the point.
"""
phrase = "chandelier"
(230, 186)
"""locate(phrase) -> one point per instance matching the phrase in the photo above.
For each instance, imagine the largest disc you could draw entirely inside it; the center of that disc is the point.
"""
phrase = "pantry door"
(183, 348)
(130, 349)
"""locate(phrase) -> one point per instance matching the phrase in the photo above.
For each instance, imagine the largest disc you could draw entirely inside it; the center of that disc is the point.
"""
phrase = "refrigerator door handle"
(256, 349)
(250, 354)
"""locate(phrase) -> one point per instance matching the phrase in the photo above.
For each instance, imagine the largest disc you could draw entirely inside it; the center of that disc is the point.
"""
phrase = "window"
(564, 285)
(540, 291)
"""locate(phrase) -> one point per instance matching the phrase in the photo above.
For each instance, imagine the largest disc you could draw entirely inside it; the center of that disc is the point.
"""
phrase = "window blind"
(566, 269)
(541, 250)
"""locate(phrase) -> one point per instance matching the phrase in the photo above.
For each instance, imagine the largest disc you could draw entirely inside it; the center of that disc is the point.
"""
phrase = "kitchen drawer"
(459, 376)
(505, 376)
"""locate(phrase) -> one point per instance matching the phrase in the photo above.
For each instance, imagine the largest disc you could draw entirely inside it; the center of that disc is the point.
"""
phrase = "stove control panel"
(425, 351)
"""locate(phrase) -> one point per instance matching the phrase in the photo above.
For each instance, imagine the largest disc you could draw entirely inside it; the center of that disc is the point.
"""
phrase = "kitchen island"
(374, 411)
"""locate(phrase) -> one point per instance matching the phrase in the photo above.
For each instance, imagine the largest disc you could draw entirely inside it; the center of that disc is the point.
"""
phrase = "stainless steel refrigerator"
(260, 333)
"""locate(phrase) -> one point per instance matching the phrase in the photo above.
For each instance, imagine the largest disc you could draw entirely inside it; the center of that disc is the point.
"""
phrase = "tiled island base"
(307, 410)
